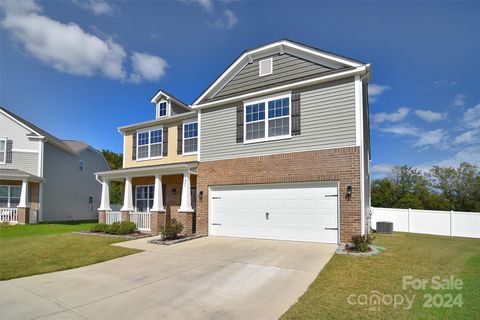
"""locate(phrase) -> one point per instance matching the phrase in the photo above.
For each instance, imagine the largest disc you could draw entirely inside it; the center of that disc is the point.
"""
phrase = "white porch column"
(127, 196)
(105, 201)
(158, 195)
(24, 195)
(186, 204)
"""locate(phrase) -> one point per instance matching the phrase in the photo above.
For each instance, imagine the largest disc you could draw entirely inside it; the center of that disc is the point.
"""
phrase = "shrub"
(98, 227)
(123, 227)
(361, 243)
(171, 230)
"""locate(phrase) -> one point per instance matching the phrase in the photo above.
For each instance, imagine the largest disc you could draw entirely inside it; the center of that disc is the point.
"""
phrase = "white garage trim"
(312, 217)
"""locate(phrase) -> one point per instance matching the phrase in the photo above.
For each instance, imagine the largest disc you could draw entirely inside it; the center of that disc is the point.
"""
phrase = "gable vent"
(265, 67)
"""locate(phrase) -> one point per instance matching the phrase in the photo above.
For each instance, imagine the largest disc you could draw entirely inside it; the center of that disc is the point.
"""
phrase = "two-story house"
(277, 147)
(43, 178)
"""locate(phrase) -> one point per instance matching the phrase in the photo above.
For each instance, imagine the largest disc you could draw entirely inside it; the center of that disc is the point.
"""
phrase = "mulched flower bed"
(178, 240)
(135, 235)
(347, 249)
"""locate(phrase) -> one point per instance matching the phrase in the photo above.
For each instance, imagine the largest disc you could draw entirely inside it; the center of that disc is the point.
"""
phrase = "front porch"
(20, 195)
(152, 196)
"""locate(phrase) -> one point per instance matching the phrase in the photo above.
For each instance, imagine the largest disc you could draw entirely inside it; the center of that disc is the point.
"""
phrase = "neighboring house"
(277, 147)
(43, 178)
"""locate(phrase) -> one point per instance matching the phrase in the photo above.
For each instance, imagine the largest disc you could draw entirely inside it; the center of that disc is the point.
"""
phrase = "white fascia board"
(160, 93)
(331, 77)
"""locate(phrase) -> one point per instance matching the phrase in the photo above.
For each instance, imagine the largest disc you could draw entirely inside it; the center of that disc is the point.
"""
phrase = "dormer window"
(162, 109)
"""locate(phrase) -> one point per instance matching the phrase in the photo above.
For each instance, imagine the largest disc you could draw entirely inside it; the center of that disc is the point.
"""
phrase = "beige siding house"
(277, 147)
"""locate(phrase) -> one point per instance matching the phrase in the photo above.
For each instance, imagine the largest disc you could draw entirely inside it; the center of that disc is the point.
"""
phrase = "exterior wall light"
(174, 190)
(349, 191)
(200, 195)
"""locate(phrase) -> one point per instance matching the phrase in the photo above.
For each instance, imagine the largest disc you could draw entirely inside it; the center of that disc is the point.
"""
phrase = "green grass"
(420, 256)
(41, 248)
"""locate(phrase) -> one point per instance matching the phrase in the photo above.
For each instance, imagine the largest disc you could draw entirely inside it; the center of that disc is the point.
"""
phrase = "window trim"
(183, 137)
(270, 60)
(148, 195)
(93, 203)
(4, 161)
(148, 130)
(167, 112)
(266, 119)
(9, 192)
(81, 165)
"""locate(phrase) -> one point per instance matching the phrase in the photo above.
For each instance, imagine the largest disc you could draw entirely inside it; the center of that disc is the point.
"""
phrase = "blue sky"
(80, 69)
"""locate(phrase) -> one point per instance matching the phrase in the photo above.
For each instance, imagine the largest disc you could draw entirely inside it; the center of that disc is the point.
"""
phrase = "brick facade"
(342, 165)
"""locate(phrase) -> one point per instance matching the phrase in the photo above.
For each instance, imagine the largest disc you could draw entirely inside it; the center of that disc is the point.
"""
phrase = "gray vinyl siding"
(327, 121)
(18, 134)
(286, 68)
(66, 189)
(24, 161)
(176, 110)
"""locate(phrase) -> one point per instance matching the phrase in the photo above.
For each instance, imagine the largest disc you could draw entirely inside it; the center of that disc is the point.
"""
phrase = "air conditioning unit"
(384, 227)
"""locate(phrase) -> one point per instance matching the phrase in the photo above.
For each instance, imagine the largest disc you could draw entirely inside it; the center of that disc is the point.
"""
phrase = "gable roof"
(162, 93)
(70, 146)
(323, 58)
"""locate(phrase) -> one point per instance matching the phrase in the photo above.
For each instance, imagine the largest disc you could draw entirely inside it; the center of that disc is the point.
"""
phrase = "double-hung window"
(162, 109)
(3, 150)
(10, 196)
(268, 118)
(144, 198)
(149, 144)
(190, 137)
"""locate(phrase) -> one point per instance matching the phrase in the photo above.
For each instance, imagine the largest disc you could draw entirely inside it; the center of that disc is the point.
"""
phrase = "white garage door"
(295, 211)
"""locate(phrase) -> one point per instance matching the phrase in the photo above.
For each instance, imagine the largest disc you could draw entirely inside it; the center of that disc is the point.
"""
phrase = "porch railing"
(113, 216)
(8, 214)
(141, 220)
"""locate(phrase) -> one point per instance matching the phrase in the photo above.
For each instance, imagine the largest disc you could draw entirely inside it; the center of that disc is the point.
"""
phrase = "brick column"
(102, 216)
(187, 222)
(125, 215)
(23, 215)
(157, 221)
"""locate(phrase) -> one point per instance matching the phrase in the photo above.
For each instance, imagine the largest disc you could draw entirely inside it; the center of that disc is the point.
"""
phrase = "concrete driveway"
(207, 278)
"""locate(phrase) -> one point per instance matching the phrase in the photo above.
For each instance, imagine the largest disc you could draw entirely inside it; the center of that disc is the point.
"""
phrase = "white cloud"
(468, 137)
(401, 130)
(440, 84)
(98, 7)
(231, 18)
(67, 48)
(391, 117)
(382, 169)
(207, 5)
(471, 117)
(459, 100)
(430, 116)
(470, 155)
(147, 67)
(375, 90)
(431, 138)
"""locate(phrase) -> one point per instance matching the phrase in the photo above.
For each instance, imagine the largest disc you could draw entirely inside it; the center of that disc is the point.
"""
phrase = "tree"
(115, 161)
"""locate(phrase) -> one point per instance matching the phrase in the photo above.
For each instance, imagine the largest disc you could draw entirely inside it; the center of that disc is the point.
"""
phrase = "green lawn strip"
(27, 230)
(25, 256)
(420, 256)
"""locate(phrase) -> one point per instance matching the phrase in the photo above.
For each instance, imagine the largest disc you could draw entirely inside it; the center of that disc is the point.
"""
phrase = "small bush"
(362, 243)
(98, 227)
(171, 230)
(123, 227)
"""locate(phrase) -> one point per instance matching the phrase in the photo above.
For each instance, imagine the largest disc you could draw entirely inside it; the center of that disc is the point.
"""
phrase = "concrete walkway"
(207, 278)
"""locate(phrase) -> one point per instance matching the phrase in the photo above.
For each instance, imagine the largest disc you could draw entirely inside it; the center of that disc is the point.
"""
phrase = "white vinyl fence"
(445, 223)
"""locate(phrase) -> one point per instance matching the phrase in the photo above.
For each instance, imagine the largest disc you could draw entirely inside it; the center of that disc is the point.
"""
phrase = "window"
(81, 165)
(190, 137)
(90, 203)
(265, 67)
(3, 150)
(10, 196)
(273, 123)
(144, 198)
(162, 109)
(149, 144)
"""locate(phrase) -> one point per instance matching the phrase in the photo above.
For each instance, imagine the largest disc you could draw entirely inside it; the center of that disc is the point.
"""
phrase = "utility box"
(384, 227)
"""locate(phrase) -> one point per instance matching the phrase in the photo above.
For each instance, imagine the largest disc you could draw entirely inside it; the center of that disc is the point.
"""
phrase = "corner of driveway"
(206, 278)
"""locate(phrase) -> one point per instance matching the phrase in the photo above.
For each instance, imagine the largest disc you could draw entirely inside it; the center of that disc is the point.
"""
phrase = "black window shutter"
(165, 142)
(180, 138)
(134, 146)
(9, 155)
(296, 114)
(240, 124)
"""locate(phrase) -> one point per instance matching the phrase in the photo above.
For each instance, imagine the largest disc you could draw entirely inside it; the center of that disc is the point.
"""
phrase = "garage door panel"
(298, 212)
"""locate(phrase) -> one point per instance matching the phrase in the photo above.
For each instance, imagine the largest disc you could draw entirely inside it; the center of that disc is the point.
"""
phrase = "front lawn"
(344, 288)
(40, 248)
